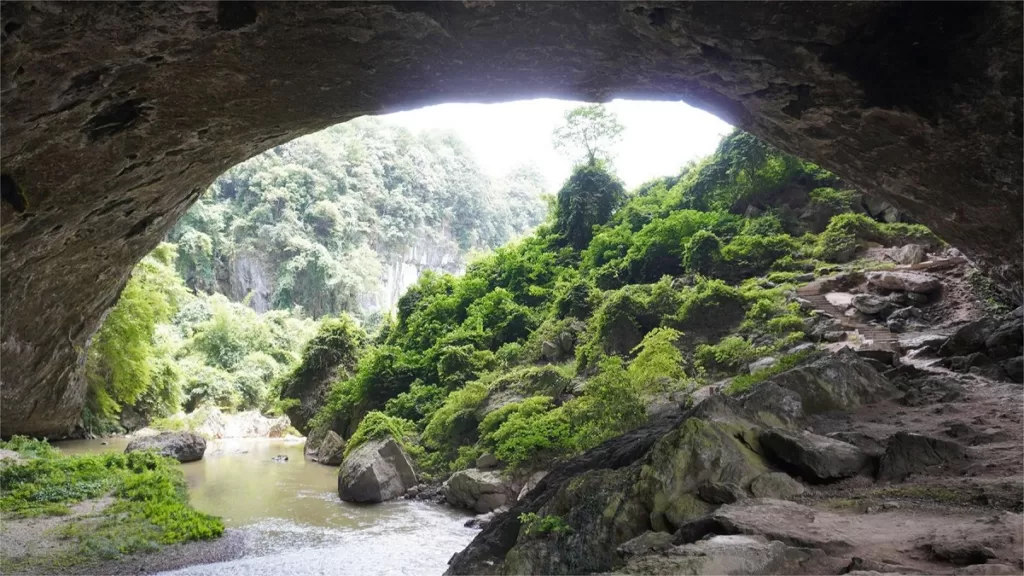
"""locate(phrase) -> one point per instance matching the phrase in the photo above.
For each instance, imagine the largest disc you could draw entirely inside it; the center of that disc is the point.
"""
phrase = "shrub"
(709, 309)
(657, 360)
(379, 426)
(587, 199)
(610, 406)
(743, 383)
(730, 354)
(533, 525)
(455, 422)
(703, 254)
(527, 432)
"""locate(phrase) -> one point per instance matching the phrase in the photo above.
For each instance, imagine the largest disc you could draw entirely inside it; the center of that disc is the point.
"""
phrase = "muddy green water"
(292, 518)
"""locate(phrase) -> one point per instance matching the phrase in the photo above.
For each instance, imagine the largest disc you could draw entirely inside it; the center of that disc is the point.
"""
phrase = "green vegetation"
(545, 346)
(533, 525)
(149, 499)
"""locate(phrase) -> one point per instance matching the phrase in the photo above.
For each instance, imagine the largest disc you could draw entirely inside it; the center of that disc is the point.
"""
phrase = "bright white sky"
(660, 137)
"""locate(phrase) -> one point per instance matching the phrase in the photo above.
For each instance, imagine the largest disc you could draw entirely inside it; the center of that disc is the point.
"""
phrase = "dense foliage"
(566, 338)
(150, 501)
(314, 222)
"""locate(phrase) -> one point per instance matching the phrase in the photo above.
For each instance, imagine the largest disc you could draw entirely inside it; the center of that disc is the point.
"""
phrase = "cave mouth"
(123, 120)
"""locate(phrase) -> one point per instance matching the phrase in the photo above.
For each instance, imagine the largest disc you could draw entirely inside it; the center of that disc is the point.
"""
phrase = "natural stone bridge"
(116, 116)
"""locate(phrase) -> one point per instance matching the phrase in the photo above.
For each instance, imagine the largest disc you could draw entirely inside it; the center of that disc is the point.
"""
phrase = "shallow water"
(294, 522)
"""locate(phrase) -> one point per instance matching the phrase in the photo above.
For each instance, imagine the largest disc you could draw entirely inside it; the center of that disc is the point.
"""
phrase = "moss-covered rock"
(698, 452)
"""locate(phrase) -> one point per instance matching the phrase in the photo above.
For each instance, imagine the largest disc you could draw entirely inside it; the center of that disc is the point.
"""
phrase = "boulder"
(907, 281)
(713, 449)
(775, 485)
(867, 443)
(720, 492)
(1005, 341)
(550, 350)
(734, 554)
(815, 458)
(313, 441)
(182, 446)
(531, 483)
(930, 342)
(332, 449)
(785, 521)
(477, 490)
(840, 381)
(762, 364)
(907, 453)
(870, 304)
(968, 338)
(911, 254)
(917, 298)
(646, 543)
(376, 471)
(1014, 368)
(567, 342)
(486, 461)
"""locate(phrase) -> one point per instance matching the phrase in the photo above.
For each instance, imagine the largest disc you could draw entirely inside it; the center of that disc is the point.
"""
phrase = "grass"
(150, 504)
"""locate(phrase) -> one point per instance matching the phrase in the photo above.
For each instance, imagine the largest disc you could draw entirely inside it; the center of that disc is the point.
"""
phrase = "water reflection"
(294, 521)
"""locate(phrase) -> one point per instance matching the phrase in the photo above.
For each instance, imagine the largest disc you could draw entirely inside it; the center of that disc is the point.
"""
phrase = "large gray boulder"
(906, 281)
(478, 490)
(907, 453)
(968, 338)
(815, 458)
(911, 254)
(332, 450)
(376, 471)
(870, 303)
(182, 446)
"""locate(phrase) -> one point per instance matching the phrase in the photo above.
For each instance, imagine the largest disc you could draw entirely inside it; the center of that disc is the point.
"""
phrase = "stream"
(293, 521)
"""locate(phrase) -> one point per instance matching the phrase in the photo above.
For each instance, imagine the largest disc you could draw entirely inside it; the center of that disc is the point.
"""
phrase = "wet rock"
(182, 446)
(531, 483)
(720, 492)
(375, 471)
(815, 458)
(762, 364)
(907, 453)
(911, 254)
(907, 281)
(775, 485)
(479, 490)
(482, 520)
(870, 304)
(332, 450)
(313, 441)
(735, 554)
(968, 338)
(486, 461)
(280, 458)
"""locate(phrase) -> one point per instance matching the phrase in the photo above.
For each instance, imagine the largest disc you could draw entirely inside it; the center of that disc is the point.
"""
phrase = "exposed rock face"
(734, 554)
(182, 446)
(907, 454)
(378, 470)
(107, 138)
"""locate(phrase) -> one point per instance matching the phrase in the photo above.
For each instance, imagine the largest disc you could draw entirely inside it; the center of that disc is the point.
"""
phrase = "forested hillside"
(618, 307)
(341, 221)
(345, 219)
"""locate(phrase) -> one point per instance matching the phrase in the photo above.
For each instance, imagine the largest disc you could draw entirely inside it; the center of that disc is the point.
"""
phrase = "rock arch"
(116, 116)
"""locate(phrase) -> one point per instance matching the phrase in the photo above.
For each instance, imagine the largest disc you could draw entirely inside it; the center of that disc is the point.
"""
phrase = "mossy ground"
(144, 504)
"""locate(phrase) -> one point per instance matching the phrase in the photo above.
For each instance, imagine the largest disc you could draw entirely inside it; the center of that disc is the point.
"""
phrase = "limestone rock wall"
(115, 117)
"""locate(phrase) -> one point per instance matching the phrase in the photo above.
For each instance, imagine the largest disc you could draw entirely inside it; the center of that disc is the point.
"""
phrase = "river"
(293, 521)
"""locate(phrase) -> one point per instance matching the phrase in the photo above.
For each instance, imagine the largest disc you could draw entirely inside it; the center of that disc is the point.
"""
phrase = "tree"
(590, 132)
(589, 197)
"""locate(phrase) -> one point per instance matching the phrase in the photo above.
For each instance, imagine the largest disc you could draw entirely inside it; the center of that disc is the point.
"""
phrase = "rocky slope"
(870, 456)
(108, 137)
